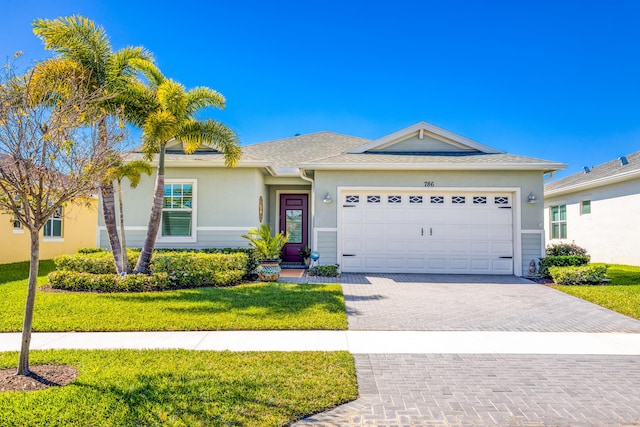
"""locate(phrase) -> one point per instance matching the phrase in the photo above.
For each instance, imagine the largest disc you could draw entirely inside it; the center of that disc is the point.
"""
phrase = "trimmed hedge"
(565, 249)
(100, 262)
(584, 275)
(324, 271)
(176, 269)
(79, 281)
(561, 261)
(196, 269)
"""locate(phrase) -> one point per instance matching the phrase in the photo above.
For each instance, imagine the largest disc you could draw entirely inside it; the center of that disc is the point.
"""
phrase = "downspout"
(313, 205)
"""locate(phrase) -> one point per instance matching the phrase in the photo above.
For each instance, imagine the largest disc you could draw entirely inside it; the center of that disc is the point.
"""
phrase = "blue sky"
(557, 80)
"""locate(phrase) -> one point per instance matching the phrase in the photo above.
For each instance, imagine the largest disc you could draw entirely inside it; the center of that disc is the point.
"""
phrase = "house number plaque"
(429, 184)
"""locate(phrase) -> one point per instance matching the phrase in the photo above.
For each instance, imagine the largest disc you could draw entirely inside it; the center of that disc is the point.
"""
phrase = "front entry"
(294, 220)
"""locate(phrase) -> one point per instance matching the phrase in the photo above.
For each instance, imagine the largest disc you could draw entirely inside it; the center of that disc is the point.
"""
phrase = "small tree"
(175, 118)
(133, 172)
(48, 157)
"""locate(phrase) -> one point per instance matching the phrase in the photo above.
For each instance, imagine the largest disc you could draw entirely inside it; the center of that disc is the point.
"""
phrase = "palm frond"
(201, 97)
(119, 65)
(213, 134)
(172, 97)
(159, 127)
(151, 73)
(77, 38)
(133, 171)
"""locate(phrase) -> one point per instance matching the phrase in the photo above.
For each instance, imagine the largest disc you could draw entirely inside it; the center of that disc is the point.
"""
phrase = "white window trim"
(194, 214)
(55, 238)
(580, 207)
(551, 222)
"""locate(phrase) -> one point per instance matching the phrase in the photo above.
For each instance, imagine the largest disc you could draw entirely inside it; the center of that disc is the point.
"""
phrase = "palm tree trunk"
(23, 363)
(109, 215)
(155, 217)
(125, 260)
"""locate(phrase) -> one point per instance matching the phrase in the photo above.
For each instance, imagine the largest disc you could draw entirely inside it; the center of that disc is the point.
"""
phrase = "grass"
(622, 294)
(182, 388)
(255, 306)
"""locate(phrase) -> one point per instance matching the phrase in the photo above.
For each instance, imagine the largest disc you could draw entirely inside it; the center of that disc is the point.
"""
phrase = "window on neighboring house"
(53, 227)
(177, 210)
(585, 207)
(559, 222)
(17, 224)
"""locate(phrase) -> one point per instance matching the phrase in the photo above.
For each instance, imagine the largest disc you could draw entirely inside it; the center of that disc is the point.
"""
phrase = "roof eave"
(544, 167)
(593, 184)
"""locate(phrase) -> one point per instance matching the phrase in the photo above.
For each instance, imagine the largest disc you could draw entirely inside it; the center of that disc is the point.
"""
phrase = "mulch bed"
(43, 376)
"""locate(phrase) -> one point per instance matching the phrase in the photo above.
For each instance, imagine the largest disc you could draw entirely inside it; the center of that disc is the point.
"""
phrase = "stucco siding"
(205, 239)
(78, 231)
(610, 232)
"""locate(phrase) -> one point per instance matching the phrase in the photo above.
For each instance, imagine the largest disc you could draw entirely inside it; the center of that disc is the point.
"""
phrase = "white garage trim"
(514, 193)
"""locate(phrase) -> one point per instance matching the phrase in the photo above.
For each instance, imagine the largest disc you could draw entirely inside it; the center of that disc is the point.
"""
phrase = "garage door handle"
(348, 254)
(506, 257)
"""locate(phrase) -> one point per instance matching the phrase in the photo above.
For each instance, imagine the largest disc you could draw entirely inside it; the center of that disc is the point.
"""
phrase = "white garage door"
(426, 232)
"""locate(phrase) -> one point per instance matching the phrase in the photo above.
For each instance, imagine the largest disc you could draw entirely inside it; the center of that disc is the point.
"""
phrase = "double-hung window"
(53, 226)
(178, 208)
(559, 222)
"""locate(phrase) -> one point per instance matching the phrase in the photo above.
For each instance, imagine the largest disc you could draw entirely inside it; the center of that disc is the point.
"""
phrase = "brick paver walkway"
(483, 389)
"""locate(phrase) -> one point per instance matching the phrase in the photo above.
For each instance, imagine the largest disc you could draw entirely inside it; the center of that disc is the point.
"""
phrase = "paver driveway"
(483, 389)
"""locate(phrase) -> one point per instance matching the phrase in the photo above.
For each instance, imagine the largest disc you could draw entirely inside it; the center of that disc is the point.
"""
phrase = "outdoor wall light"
(532, 199)
(327, 198)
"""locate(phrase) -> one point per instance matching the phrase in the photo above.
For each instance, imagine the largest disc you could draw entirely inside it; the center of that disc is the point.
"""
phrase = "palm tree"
(79, 41)
(174, 119)
(133, 172)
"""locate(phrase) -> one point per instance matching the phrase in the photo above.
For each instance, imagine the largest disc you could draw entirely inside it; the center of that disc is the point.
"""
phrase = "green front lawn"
(622, 294)
(182, 388)
(255, 306)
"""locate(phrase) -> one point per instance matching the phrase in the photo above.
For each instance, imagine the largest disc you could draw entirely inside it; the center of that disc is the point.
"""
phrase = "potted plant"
(305, 253)
(267, 249)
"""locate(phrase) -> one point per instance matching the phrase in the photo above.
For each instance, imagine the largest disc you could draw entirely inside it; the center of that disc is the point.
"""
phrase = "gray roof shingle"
(609, 170)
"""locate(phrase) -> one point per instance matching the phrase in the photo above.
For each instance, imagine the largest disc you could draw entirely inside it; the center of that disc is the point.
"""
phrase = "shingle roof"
(600, 174)
(291, 152)
(328, 150)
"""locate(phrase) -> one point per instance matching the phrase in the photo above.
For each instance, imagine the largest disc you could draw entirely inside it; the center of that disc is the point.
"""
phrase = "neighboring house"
(71, 228)
(598, 209)
(421, 200)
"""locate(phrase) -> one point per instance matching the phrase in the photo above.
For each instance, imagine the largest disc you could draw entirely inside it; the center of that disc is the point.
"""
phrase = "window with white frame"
(53, 226)
(585, 207)
(559, 222)
(177, 209)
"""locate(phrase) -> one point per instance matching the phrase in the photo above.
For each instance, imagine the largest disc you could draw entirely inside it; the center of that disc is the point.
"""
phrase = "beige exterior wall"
(611, 231)
(78, 231)
(226, 206)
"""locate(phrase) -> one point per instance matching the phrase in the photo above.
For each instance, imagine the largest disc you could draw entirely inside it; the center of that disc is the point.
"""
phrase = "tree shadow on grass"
(20, 270)
(273, 298)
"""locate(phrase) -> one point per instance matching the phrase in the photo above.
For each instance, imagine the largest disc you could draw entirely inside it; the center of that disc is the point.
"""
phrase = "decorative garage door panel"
(427, 232)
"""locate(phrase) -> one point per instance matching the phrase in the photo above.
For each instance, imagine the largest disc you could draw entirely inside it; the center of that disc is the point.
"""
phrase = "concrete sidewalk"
(356, 342)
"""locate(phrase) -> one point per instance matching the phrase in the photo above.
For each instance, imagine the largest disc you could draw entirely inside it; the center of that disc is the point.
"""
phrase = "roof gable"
(423, 138)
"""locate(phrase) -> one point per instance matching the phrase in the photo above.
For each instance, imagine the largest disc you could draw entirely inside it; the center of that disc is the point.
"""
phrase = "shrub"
(91, 250)
(80, 281)
(190, 270)
(584, 275)
(561, 261)
(99, 262)
(565, 249)
(324, 271)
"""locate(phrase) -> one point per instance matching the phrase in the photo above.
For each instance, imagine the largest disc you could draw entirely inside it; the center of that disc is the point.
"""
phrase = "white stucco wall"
(611, 232)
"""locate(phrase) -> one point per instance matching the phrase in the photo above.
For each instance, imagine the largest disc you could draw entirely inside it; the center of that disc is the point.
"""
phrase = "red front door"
(293, 219)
